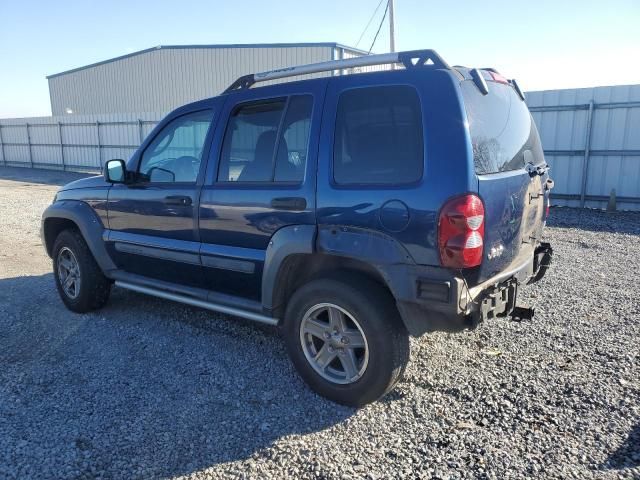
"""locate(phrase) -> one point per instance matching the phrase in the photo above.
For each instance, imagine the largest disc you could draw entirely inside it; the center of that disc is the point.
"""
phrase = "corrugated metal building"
(162, 78)
(591, 140)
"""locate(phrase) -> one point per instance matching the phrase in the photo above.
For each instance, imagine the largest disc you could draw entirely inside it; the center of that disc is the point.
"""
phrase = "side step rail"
(216, 307)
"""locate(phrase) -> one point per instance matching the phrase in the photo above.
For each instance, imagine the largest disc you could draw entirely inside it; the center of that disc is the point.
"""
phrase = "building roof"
(231, 45)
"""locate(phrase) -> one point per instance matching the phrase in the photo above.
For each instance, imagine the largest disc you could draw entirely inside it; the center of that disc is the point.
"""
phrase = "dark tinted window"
(378, 136)
(258, 130)
(501, 128)
(174, 155)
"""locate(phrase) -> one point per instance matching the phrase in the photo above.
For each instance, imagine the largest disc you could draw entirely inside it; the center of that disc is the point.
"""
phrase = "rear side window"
(378, 136)
(267, 141)
(501, 128)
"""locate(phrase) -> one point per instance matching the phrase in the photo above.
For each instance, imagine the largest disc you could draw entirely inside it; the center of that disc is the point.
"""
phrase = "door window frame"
(331, 122)
(236, 107)
(203, 156)
(316, 89)
(263, 100)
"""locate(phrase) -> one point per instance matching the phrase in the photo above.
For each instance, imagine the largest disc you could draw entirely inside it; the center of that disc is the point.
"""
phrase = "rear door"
(261, 177)
(372, 159)
(511, 170)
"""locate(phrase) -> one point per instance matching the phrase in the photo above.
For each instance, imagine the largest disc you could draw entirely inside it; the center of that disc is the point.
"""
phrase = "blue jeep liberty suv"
(351, 211)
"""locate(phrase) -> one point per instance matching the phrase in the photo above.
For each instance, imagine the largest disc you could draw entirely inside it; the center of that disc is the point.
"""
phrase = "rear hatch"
(511, 170)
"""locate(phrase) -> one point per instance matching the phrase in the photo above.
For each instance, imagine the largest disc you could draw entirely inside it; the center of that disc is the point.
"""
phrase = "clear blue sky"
(544, 44)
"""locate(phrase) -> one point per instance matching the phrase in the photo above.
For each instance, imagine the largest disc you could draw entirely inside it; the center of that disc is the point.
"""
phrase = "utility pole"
(392, 34)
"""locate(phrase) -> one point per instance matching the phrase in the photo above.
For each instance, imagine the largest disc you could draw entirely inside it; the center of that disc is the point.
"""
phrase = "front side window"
(267, 141)
(175, 153)
(378, 136)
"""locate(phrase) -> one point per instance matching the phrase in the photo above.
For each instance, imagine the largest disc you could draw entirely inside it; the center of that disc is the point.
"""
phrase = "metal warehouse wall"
(164, 78)
(591, 138)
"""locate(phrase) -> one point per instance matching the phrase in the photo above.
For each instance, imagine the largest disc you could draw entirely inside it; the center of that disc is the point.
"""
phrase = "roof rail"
(411, 59)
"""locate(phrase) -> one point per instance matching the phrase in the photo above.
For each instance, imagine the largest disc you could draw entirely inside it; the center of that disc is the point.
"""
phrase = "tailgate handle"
(289, 203)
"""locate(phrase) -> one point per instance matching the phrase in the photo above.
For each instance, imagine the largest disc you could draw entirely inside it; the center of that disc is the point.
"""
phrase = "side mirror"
(115, 171)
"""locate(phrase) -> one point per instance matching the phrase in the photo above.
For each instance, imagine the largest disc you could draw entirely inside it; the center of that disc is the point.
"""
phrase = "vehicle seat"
(375, 156)
(285, 170)
(183, 169)
(261, 168)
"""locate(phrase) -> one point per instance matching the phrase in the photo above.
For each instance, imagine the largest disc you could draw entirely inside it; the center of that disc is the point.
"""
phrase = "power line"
(368, 23)
(379, 26)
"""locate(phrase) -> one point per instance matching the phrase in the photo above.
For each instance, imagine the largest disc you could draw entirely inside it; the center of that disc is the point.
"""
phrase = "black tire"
(375, 311)
(94, 287)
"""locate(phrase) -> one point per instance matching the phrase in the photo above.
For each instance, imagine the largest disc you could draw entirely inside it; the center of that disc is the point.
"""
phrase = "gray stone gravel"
(150, 389)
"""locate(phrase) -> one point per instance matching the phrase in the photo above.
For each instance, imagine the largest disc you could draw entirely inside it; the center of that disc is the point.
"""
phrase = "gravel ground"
(151, 389)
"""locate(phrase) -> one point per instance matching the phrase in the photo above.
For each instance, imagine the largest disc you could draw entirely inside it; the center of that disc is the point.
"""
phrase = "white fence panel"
(82, 142)
(14, 134)
(590, 137)
(81, 157)
(17, 154)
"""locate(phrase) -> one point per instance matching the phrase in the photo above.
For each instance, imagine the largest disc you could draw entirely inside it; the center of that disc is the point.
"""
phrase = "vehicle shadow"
(40, 175)
(628, 454)
(595, 220)
(144, 388)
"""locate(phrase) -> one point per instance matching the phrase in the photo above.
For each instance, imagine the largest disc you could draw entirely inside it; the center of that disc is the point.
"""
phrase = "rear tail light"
(461, 232)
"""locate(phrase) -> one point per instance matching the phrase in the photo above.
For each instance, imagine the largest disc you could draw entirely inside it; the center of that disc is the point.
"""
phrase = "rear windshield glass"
(502, 133)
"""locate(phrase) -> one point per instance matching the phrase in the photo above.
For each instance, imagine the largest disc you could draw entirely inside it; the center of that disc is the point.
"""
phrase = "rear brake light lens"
(499, 78)
(461, 232)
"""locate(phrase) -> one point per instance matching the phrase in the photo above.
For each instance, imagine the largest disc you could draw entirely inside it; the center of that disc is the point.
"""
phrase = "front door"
(260, 179)
(153, 221)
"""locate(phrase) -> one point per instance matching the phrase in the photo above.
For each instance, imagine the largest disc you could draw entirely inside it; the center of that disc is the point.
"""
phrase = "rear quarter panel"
(447, 157)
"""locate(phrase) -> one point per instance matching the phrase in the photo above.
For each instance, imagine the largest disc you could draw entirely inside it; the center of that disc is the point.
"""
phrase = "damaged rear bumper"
(449, 304)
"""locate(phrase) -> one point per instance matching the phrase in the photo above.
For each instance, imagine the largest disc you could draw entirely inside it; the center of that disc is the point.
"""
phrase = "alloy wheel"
(69, 273)
(334, 343)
